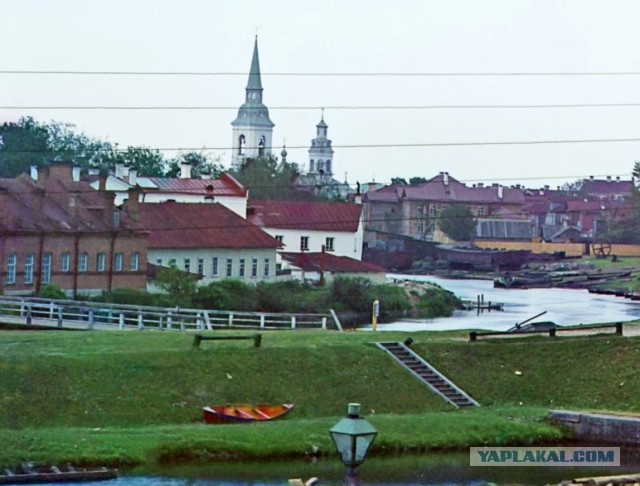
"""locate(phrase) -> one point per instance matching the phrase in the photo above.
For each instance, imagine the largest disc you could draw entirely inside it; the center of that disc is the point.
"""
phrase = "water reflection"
(563, 306)
(424, 470)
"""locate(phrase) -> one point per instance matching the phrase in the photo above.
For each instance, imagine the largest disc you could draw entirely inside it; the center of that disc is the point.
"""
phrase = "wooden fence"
(70, 314)
(570, 249)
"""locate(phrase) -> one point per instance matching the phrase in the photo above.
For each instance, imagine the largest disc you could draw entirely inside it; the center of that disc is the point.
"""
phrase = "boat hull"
(243, 413)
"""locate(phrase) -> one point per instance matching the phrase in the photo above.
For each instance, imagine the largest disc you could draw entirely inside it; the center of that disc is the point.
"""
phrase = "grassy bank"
(136, 397)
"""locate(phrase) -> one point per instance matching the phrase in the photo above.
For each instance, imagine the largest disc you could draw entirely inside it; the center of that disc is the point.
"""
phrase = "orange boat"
(227, 414)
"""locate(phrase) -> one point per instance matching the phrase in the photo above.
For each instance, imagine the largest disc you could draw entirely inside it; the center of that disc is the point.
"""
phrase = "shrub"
(228, 294)
(51, 291)
(437, 302)
(355, 294)
(291, 296)
(129, 296)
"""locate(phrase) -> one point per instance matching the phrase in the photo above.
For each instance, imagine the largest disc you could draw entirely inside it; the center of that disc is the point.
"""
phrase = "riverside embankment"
(128, 398)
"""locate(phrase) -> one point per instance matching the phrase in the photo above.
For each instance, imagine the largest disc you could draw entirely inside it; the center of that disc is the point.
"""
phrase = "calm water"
(432, 469)
(563, 306)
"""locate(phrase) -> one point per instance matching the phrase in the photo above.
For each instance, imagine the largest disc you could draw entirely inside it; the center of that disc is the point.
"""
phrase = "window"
(480, 210)
(12, 261)
(267, 269)
(159, 261)
(214, 267)
(187, 265)
(117, 262)
(304, 243)
(229, 267)
(116, 218)
(173, 262)
(241, 271)
(280, 239)
(261, 146)
(329, 244)
(200, 266)
(46, 268)
(83, 262)
(28, 269)
(101, 262)
(254, 267)
(432, 210)
(65, 262)
(135, 261)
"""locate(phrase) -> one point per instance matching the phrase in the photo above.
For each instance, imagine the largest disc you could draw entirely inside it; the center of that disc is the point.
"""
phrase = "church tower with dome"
(252, 128)
(321, 152)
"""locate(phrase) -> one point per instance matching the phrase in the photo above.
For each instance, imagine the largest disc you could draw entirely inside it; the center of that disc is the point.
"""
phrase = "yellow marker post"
(375, 314)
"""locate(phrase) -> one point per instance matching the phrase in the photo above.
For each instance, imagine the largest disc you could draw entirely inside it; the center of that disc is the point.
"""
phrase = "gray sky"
(338, 36)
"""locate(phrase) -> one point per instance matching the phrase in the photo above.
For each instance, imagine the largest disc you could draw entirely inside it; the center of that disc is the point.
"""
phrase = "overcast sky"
(342, 36)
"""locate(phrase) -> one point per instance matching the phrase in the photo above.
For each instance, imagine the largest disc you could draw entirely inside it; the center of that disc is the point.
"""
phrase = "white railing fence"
(96, 315)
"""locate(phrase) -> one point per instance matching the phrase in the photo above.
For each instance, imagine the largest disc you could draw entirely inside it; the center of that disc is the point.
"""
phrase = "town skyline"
(426, 59)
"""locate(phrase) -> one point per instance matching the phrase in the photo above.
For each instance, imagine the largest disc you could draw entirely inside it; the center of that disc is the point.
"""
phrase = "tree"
(414, 181)
(201, 163)
(266, 179)
(22, 144)
(457, 222)
(401, 181)
(178, 284)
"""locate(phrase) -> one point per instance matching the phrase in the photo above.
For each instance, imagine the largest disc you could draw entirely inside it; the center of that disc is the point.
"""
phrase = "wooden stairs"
(426, 373)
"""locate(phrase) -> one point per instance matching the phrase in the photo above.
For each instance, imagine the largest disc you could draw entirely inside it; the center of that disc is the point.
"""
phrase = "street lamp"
(353, 436)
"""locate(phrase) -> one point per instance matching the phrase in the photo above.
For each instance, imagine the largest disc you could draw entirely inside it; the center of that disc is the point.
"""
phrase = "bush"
(437, 302)
(354, 294)
(51, 291)
(392, 298)
(291, 296)
(129, 296)
(228, 294)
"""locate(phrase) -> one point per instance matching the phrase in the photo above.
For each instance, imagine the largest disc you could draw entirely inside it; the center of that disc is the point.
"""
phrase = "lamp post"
(353, 436)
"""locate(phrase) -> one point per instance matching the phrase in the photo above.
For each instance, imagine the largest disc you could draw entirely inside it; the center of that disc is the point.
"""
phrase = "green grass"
(136, 397)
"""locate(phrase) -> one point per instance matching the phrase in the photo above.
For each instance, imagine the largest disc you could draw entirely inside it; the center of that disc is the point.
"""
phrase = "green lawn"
(136, 397)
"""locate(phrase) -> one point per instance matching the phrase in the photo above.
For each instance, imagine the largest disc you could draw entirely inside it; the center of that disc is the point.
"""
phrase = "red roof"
(226, 185)
(443, 187)
(328, 262)
(56, 204)
(205, 225)
(308, 215)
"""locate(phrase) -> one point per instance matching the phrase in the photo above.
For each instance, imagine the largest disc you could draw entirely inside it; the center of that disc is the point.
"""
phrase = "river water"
(563, 306)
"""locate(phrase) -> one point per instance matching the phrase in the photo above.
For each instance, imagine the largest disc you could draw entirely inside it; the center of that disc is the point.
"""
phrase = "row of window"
(244, 270)
(65, 265)
(329, 244)
(433, 209)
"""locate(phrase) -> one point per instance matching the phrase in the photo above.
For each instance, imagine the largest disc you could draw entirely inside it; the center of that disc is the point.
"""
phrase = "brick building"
(58, 230)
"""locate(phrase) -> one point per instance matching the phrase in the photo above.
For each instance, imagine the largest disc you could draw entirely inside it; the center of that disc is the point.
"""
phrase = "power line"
(315, 108)
(340, 74)
(380, 145)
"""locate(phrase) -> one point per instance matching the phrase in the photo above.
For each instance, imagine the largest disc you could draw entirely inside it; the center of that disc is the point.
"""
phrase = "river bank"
(128, 398)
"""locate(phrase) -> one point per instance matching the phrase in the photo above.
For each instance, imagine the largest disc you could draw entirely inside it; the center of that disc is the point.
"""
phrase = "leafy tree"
(201, 163)
(266, 179)
(148, 162)
(180, 285)
(21, 145)
(457, 222)
(414, 181)
(399, 181)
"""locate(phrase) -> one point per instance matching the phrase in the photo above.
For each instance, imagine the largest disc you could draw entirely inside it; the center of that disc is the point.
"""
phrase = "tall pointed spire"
(254, 74)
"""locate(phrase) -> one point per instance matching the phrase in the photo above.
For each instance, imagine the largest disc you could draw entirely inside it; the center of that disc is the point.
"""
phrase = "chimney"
(73, 209)
(133, 177)
(42, 176)
(608, 178)
(119, 170)
(445, 178)
(591, 177)
(109, 206)
(34, 172)
(546, 188)
(133, 203)
(480, 185)
(63, 171)
(185, 170)
(618, 178)
(76, 174)
(500, 189)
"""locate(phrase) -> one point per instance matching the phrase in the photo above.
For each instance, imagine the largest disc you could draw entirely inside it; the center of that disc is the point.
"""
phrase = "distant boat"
(242, 413)
(28, 474)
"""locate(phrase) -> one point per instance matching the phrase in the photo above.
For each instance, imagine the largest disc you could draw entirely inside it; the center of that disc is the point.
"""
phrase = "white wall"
(345, 244)
(237, 204)
(222, 254)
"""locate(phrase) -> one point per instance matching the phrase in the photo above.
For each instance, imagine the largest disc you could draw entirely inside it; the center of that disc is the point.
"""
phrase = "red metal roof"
(330, 263)
(225, 185)
(309, 215)
(205, 225)
(56, 205)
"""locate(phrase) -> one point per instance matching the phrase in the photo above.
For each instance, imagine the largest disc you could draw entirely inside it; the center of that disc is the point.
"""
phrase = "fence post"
(169, 320)
(160, 322)
(262, 317)
(121, 321)
(22, 308)
(293, 322)
(182, 328)
(90, 319)
(200, 322)
(324, 323)
(230, 319)
(51, 309)
(619, 328)
(29, 316)
(59, 316)
(140, 321)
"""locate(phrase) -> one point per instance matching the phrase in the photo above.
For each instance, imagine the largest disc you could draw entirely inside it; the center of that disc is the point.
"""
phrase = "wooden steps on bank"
(436, 381)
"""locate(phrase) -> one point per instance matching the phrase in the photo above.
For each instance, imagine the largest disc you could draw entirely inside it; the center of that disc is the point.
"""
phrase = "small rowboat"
(29, 474)
(227, 414)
